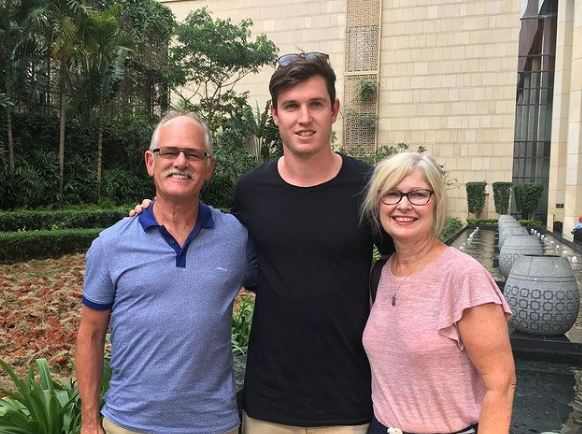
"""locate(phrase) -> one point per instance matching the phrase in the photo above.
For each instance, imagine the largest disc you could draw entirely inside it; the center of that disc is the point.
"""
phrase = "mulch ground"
(40, 302)
(39, 313)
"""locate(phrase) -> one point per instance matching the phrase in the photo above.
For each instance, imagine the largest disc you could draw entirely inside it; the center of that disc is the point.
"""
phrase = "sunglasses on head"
(288, 59)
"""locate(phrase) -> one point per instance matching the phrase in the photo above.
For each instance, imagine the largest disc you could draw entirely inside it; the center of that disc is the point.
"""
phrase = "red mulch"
(39, 312)
(40, 301)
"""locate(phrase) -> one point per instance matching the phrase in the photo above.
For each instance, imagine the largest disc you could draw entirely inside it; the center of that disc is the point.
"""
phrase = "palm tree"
(19, 52)
(60, 22)
(105, 49)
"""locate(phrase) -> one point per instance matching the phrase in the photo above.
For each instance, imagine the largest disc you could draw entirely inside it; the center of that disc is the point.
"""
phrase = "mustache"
(172, 172)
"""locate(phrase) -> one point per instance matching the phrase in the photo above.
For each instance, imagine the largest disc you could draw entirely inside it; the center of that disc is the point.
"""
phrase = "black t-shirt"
(306, 365)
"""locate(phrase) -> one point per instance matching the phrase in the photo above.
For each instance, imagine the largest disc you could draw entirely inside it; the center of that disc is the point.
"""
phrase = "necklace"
(397, 289)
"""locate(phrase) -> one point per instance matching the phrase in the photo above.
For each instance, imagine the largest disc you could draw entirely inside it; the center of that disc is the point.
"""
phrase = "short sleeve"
(469, 285)
(98, 291)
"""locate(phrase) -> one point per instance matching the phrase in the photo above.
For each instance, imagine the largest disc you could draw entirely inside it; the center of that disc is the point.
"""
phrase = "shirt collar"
(205, 220)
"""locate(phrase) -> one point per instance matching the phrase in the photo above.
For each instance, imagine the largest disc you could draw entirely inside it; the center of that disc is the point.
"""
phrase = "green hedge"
(527, 197)
(532, 224)
(481, 222)
(20, 246)
(475, 196)
(59, 219)
(452, 226)
(501, 191)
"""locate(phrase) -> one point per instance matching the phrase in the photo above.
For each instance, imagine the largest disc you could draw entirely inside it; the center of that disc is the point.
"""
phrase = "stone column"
(573, 194)
(561, 103)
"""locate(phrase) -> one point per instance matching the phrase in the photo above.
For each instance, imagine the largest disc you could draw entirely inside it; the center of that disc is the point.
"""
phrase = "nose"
(181, 160)
(404, 203)
(304, 115)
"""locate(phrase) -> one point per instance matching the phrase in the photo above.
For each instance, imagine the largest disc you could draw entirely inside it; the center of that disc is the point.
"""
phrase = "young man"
(306, 366)
(166, 282)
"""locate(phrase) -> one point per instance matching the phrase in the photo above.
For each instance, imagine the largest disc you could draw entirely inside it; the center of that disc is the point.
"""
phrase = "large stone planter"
(505, 218)
(510, 231)
(515, 246)
(543, 295)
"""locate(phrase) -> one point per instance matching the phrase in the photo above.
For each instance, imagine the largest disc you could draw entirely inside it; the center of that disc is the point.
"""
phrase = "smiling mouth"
(305, 133)
(401, 219)
(179, 175)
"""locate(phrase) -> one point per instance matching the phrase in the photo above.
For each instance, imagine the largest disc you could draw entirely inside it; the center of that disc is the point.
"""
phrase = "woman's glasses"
(415, 197)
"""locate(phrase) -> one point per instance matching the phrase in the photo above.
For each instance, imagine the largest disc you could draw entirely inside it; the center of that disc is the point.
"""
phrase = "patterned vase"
(543, 295)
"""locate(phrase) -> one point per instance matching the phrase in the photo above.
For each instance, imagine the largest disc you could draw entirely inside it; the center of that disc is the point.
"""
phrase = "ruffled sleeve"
(468, 284)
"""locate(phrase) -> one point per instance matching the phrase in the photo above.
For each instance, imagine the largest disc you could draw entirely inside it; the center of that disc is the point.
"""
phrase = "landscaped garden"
(82, 83)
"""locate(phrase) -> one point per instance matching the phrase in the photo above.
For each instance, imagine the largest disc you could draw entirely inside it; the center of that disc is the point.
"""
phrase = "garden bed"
(39, 313)
(40, 302)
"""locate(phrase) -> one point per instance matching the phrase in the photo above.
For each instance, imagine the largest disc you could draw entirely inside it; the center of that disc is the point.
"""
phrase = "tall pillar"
(560, 118)
(573, 196)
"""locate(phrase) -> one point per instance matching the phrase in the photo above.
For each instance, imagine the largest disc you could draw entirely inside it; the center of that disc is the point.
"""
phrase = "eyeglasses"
(173, 152)
(288, 59)
(418, 197)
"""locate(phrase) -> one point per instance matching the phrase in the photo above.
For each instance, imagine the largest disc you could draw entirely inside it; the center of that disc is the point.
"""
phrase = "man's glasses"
(288, 59)
(173, 152)
(418, 197)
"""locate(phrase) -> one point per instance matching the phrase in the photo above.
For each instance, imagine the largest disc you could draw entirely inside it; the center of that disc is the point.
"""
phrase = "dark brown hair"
(302, 69)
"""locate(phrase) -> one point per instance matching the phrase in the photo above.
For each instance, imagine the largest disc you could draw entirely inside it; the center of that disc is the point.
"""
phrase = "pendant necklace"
(397, 290)
(403, 280)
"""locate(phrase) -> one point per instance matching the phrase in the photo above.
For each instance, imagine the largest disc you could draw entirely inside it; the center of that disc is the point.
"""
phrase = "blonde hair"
(391, 171)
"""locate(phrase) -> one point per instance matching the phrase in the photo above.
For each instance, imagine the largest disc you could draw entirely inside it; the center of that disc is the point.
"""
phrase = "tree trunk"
(10, 140)
(62, 123)
(99, 157)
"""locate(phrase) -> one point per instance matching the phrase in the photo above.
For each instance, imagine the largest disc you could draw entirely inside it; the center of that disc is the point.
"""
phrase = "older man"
(165, 283)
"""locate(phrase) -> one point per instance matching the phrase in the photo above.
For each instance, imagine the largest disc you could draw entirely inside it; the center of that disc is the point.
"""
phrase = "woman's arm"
(483, 330)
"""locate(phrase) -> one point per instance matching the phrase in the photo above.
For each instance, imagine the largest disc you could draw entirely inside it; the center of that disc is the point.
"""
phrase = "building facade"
(493, 89)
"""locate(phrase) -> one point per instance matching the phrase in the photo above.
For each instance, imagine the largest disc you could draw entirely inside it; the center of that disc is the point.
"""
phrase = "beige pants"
(256, 426)
(113, 428)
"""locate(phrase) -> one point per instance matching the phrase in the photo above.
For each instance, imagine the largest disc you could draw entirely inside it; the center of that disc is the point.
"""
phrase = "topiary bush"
(527, 197)
(475, 196)
(501, 193)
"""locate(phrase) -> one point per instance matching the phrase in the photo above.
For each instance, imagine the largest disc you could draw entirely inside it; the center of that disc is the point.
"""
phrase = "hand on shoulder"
(138, 209)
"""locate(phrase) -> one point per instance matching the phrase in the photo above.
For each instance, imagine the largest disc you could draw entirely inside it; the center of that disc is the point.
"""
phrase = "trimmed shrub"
(59, 219)
(481, 222)
(452, 226)
(533, 224)
(501, 191)
(21, 246)
(527, 197)
(475, 196)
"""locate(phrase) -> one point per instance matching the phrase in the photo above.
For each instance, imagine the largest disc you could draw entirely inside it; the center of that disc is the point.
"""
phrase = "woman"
(437, 336)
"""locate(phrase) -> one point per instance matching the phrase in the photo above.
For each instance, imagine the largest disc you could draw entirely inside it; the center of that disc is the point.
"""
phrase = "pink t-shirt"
(422, 379)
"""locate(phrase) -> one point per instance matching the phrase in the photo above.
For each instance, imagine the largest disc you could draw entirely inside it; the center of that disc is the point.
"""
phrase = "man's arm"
(89, 365)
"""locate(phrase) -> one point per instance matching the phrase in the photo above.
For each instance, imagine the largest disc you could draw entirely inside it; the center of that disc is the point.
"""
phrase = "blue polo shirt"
(171, 310)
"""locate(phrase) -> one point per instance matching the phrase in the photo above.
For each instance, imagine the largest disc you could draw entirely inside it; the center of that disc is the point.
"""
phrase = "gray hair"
(169, 116)
(392, 170)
